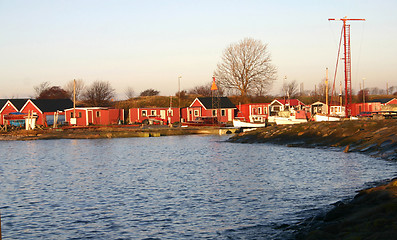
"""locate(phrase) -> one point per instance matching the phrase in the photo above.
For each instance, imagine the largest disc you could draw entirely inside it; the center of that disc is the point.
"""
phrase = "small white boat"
(241, 124)
(288, 120)
(321, 118)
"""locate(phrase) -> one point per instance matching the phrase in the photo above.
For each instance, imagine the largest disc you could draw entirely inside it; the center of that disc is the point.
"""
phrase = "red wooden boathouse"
(41, 108)
(10, 106)
(203, 107)
(154, 115)
(253, 112)
(95, 116)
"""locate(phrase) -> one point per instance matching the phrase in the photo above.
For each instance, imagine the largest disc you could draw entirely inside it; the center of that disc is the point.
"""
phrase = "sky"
(149, 44)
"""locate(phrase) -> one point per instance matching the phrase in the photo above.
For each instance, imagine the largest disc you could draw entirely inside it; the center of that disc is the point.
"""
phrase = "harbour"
(171, 187)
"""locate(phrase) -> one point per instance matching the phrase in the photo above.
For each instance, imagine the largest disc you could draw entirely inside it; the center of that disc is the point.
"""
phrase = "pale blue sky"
(148, 44)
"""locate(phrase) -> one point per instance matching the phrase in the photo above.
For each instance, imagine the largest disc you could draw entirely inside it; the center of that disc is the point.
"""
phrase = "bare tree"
(149, 92)
(202, 90)
(129, 93)
(322, 89)
(54, 92)
(290, 89)
(99, 94)
(182, 94)
(360, 97)
(80, 86)
(374, 91)
(246, 66)
(391, 89)
(41, 88)
(205, 90)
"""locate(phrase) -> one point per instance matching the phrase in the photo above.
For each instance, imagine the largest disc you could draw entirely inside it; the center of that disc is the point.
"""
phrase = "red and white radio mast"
(347, 58)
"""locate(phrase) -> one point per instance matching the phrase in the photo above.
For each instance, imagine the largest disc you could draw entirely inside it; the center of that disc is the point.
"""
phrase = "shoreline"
(372, 213)
(374, 138)
(99, 132)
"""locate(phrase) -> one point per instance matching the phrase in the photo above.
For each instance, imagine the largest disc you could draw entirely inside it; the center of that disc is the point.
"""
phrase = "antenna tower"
(347, 60)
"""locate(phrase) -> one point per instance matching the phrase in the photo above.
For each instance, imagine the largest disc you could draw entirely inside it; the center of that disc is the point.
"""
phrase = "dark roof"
(382, 100)
(17, 102)
(2, 102)
(224, 102)
(53, 105)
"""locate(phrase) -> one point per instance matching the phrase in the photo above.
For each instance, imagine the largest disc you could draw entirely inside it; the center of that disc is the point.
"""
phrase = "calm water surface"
(179, 187)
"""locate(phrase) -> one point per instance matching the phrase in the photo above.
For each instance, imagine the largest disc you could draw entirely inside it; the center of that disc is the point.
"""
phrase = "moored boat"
(289, 120)
(321, 118)
(242, 124)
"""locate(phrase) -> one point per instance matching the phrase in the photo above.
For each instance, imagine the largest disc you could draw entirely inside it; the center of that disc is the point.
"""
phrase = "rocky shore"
(375, 138)
(372, 213)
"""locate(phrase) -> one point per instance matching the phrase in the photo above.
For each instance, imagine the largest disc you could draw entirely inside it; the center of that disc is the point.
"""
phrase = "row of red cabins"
(46, 110)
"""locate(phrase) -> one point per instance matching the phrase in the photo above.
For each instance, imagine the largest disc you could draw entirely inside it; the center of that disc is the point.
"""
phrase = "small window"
(196, 113)
(223, 112)
(276, 108)
(71, 114)
(79, 114)
(98, 114)
(144, 113)
(214, 113)
(259, 110)
(153, 112)
(264, 110)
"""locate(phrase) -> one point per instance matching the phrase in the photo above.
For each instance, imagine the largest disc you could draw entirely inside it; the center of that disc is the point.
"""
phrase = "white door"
(162, 114)
(230, 115)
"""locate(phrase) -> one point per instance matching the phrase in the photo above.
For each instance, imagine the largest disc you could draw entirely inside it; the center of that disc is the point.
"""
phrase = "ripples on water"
(179, 187)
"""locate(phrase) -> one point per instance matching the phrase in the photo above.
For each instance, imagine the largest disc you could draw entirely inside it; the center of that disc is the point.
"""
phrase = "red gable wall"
(393, 101)
(30, 107)
(8, 108)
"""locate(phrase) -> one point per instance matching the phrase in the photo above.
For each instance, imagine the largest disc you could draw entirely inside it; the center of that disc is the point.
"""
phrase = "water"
(178, 187)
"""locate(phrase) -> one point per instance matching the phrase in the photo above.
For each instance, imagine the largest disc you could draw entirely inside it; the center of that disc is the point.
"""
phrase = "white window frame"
(144, 113)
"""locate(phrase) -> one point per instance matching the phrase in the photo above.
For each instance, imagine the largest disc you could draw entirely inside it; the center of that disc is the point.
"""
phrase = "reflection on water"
(179, 187)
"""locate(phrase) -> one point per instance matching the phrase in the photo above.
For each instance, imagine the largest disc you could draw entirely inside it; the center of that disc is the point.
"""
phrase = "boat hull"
(322, 118)
(241, 124)
(286, 121)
